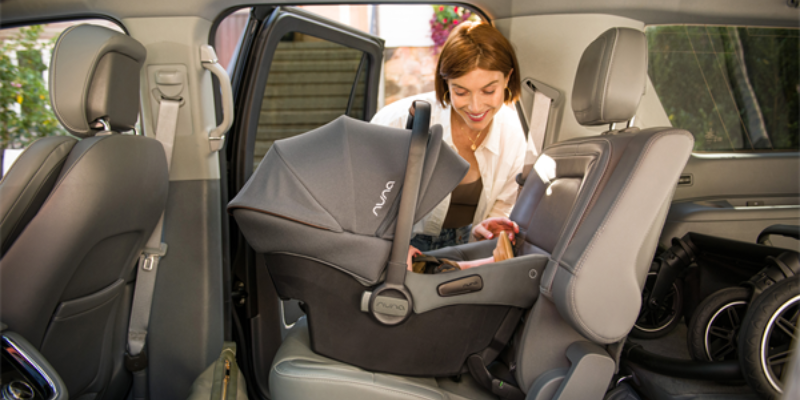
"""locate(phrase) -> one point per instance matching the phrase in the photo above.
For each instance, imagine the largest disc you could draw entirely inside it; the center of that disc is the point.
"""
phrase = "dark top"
(463, 202)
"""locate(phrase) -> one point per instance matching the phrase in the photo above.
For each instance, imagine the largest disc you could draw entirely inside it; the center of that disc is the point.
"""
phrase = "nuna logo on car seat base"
(378, 206)
(390, 306)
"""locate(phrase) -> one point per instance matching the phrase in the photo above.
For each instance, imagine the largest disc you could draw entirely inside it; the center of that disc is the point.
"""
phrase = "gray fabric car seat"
(81, 212)
(592, 209)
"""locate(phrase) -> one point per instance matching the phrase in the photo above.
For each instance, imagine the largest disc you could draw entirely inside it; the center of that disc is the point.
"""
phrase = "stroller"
(741, 303)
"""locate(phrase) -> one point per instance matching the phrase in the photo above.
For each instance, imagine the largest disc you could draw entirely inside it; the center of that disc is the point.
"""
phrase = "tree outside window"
(25, 113)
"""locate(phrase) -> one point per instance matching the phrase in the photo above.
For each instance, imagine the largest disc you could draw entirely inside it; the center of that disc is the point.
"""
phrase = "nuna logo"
(378, 206)
(398, 307)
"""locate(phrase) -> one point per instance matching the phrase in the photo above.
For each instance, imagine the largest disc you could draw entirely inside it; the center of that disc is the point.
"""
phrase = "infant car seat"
(328, 208)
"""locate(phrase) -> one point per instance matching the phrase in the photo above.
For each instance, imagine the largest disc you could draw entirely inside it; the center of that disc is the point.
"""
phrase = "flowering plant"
(444, 20)
(25, 113)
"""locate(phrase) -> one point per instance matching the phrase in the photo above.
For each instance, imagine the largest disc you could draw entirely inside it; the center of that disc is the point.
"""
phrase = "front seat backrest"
(28, 183)
(66, 278)
(591, 288)
(608, 86)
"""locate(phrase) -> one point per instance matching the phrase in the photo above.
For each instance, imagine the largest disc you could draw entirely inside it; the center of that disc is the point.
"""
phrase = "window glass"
(311, 82)
(25, 113)
(734, 88)
(228, 34)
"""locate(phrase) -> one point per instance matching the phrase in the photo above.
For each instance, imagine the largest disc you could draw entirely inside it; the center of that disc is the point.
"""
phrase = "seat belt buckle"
(136, 363)
(150, 256)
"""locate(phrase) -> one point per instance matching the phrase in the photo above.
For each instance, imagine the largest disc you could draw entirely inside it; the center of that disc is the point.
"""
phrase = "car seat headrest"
(94, 74)
(611, 77)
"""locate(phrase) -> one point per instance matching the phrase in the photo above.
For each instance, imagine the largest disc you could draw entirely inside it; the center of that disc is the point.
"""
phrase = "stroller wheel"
(654, 322)
(765, 343)
(715, 326)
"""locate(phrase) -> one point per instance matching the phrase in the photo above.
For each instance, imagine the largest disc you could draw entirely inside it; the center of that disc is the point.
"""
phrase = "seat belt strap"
(540, 112)
(136, 358)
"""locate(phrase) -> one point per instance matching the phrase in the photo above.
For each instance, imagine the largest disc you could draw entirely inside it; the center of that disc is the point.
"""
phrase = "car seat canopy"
(347, 176)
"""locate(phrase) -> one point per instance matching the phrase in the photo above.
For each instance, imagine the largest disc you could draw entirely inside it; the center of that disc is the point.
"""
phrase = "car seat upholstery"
(591, 210)
(591, 288)
(81, 211)
(28, 183)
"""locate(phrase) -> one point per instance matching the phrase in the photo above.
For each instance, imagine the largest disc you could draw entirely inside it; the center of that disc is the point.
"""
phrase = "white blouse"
(500, 158)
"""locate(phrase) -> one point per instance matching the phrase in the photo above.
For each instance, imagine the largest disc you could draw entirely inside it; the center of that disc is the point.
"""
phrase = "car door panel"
(736, 196)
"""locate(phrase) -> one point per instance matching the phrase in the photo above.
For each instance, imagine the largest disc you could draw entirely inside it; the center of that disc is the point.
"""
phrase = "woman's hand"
(491, 227)
(412, 252)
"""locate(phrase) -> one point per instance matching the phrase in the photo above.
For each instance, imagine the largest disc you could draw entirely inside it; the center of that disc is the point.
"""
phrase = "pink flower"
(455, 22)
(441, 8)
(444, 20)
(455, 9)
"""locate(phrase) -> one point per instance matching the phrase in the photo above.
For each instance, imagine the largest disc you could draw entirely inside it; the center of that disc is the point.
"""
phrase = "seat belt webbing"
(136, 360)
(540, 112)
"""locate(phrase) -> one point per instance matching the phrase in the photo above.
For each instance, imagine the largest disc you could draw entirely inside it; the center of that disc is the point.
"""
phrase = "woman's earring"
(509, 93)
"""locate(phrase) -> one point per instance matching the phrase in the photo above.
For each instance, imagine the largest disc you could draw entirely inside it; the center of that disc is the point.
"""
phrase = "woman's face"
(477, 96)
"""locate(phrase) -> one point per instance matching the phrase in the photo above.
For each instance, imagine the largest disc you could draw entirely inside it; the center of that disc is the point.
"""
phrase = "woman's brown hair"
(476, 45)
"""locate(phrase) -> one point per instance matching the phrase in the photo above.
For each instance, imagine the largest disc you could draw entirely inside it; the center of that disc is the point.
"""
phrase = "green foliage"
(733, 88)
(25, 113)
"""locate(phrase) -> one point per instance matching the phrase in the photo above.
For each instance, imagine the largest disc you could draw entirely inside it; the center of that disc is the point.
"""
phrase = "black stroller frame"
(744, 330)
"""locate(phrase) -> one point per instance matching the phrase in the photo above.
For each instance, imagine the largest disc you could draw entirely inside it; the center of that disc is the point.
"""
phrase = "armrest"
(513, 282)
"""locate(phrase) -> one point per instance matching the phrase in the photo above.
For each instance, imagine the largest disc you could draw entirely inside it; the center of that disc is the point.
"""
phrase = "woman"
(476, 77)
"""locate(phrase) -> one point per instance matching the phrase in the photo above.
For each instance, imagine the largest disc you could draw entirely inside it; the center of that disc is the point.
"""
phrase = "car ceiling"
(743, 12)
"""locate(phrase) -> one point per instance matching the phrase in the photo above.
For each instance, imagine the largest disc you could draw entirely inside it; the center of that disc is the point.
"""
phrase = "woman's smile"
(477, 117)
(477, 96)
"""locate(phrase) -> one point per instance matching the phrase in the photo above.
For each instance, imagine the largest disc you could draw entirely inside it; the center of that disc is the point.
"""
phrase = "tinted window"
(734, 88)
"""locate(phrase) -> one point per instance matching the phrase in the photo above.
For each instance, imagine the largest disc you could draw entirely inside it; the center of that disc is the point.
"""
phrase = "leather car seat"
(593, 206)
(77, 213)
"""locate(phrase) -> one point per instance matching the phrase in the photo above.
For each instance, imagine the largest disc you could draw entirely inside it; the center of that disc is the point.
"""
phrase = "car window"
(734, 88)
(25, 113)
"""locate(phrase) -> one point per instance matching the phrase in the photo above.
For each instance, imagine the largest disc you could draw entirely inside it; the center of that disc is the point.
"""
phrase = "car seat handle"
(391, 302)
